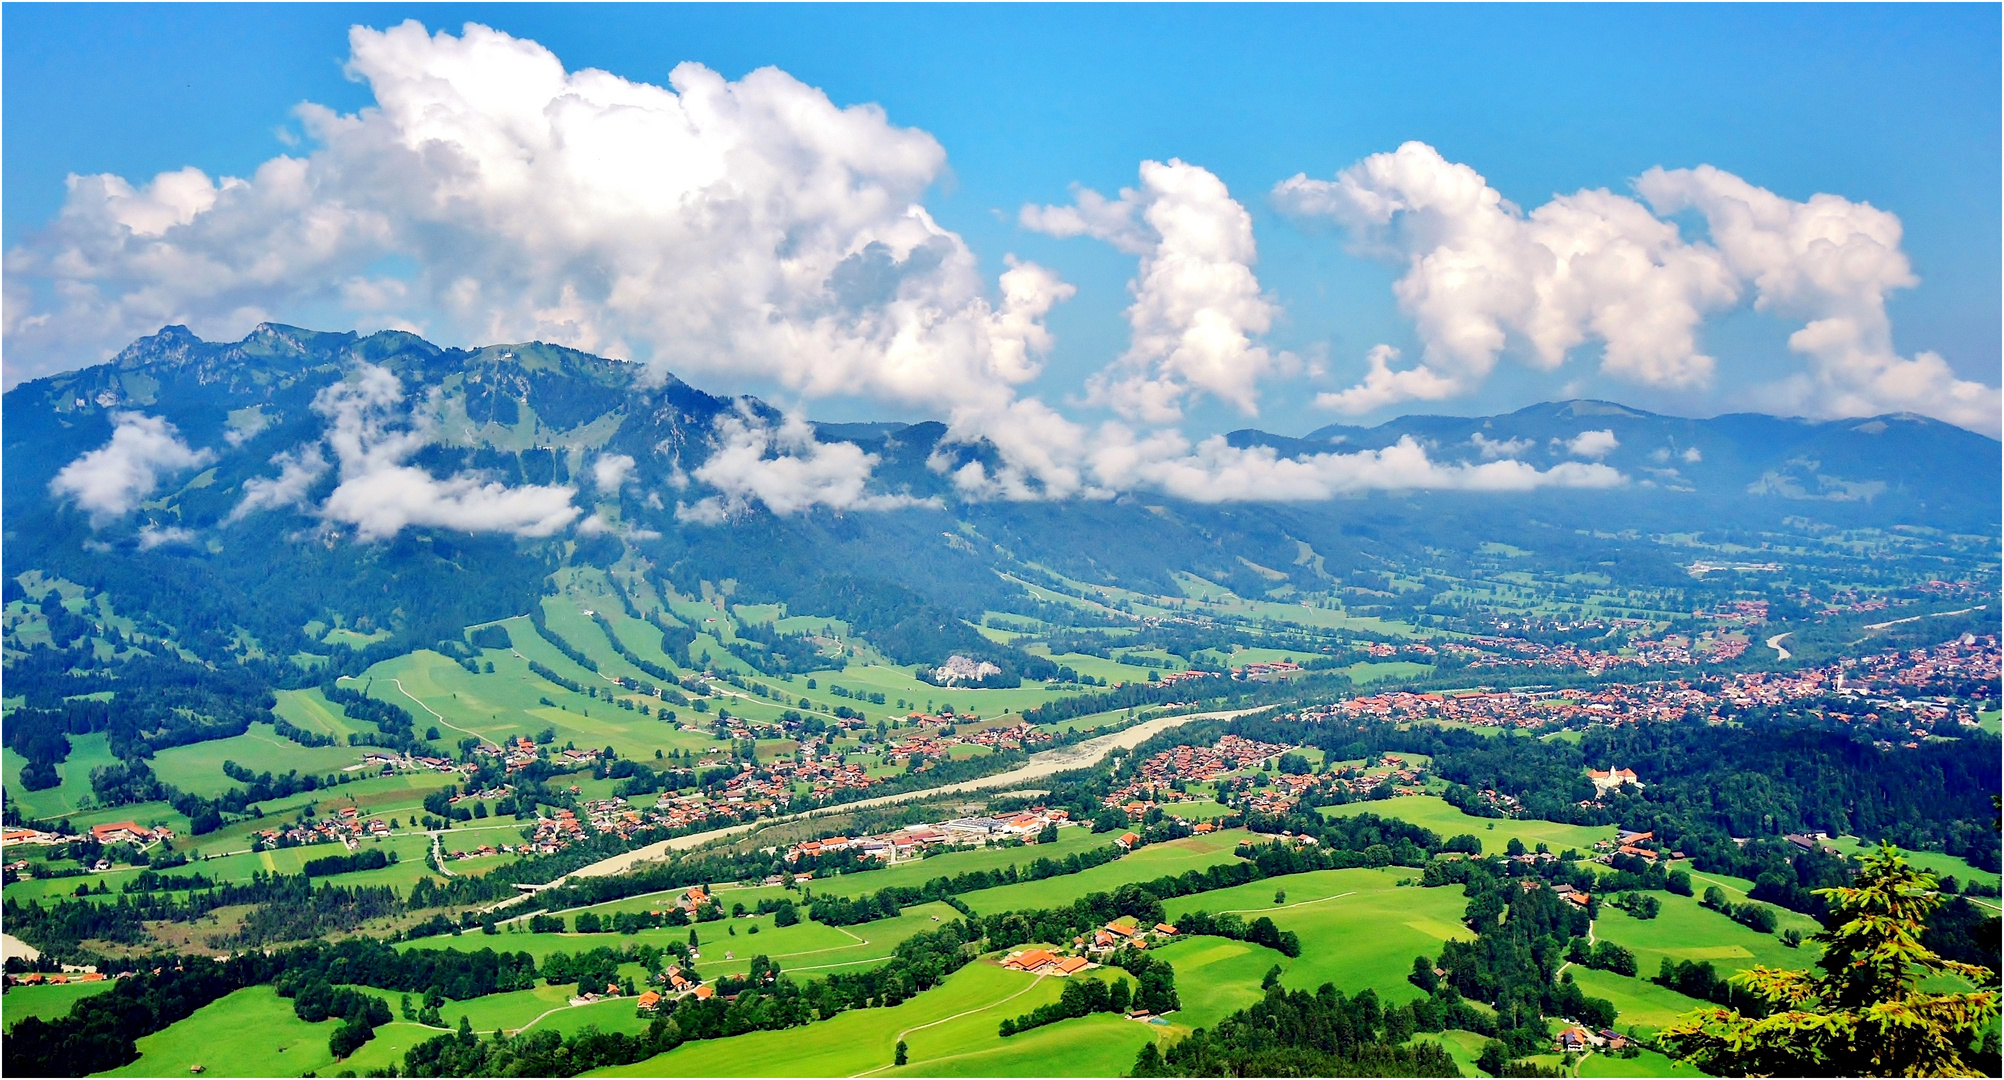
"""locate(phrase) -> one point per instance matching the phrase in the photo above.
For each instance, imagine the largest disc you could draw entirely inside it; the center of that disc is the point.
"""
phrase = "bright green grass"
(805, 948)
(1649, 1063)
(87, 752)
(1935, 861)
(1638, 1002)
(1736, 888)
(1686, 931)
(46, 1002)
(1153, 861)
(1358, 928)
(1433, 812)
(1216, 977)
(948, 1030)
(1368, 672)
(507, 703)
(1198, 810)
(310, 710)
(252, 1032)
(1463, 1046)
(1992, 721)
(198, 767)
(392, 1041)
(542, 1007)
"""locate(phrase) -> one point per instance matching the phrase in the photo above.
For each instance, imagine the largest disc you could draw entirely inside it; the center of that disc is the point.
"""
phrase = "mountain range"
(239, 490)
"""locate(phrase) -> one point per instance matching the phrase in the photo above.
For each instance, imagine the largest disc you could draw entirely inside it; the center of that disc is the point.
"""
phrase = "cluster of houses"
(914, 840)
(1674, 650)
(60, 978)
(1574, 1039)
(1121, 933)
(346, 826)
(1190, 764)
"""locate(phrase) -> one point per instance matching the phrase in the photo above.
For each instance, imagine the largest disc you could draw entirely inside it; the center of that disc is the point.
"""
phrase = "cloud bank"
(754, 229)
(1482, 276)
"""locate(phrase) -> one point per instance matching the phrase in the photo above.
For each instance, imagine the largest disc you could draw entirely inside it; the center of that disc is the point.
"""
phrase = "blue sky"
(1895, 106)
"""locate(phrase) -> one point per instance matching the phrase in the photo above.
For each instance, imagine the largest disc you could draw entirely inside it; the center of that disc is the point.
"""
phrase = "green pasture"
(1152, 861)
(197, 768)
(805, 948)
(1368, 672)
(387, 1049)
(1638, 1002)
(1198, 809)
(1433, 812)
(1216, 977)
(1991, 721)
(1933, 861)
(1686, 931)
(949, 1030)
(46, 1002)
(1358, 928)
(310, 710)
(252, 1032)
(1463, 1046)
(1649, 1063)
(87, 752)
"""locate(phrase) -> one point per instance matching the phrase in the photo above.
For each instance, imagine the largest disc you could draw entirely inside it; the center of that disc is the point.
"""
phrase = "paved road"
(1048, 763)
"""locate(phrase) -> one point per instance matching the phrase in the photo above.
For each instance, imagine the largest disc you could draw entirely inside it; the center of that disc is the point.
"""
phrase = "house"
(123, 832)
(1165, 929)
(1128, 841)
(1574, 1039)
(649, 1001)
(705, 992)
(1069, 964)
(1031, 960)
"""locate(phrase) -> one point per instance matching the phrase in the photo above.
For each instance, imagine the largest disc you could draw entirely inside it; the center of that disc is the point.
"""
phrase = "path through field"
(955, 1016)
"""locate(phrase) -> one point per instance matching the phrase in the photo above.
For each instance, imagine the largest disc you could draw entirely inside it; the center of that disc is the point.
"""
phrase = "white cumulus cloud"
(1491, 449)
(380, 495)
(153, 536)
(1198, 311)
(1830, 262)
(298, 471)
(1482, 275)
(785, 468)
(1592, 444)
(609, 471)
(751, 228)
(1216, 471)
(119, 475)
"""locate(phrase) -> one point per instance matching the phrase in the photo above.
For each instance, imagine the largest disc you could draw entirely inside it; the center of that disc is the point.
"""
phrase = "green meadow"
(1687, 931)
(1433, 812)
(1358, 928)
(1642, 1004)
(1152, 861)
(251, 1032)
(949, 1030)
(198, 768)
(87, 752)
(46, 1002)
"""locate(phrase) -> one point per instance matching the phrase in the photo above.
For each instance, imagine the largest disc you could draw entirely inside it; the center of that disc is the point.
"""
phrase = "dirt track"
(1048, 763)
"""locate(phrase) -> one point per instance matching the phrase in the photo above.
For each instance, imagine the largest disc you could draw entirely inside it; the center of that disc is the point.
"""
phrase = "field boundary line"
(955, 1016)
(1284, 907)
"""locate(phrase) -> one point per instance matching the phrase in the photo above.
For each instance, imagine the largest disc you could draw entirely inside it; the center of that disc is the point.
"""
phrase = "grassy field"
(1433, 812)
(949, 1031)
(87, 752)
(198, 767)
(1640, 1003)
(251, 1032)
(1358, 928)
(1940, 864)
(1216, 977)
(46, 1002)
(1153, 861)
(807, 947)
(311, 711)
(1686, 931)
(1648, 1063)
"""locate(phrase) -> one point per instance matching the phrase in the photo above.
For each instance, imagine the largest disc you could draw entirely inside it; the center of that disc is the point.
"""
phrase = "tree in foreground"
(1862, 1012)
